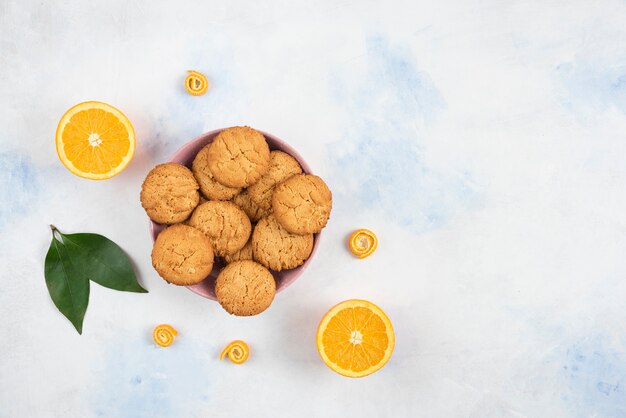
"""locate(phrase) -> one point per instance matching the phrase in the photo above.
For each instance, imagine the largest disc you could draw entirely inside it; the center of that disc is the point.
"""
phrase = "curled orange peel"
(163, 335)
(196, 83)
(237, 352)
(363, 243)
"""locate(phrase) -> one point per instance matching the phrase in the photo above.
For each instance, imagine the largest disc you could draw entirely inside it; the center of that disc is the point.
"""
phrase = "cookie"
(202, 200)
(302, 204)
(239, 156)
(226, 225)
(245, 288)
(182, 255)
(282, 166)
(276, 248)
(210, 187)
(253, 210)
(244, 254)
(169, 193)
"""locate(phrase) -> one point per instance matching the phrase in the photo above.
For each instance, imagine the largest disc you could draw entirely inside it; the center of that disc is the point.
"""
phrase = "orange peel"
(363, 243)
(196, 83)
(237, 352)
(164, 335)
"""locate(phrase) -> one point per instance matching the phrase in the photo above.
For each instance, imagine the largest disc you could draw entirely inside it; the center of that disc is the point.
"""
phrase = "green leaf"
(68, 286)
(102, 261)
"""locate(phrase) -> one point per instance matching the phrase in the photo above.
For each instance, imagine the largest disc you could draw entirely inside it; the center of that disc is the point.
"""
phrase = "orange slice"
(355, 338)
(363, 243)
(237, 352)
(164, 335)
(95, 140)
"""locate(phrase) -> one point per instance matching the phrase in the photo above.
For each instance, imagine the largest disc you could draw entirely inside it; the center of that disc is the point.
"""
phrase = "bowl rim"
(292, 274)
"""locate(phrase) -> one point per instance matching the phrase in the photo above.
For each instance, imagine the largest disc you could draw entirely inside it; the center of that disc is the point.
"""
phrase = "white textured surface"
(483, 141)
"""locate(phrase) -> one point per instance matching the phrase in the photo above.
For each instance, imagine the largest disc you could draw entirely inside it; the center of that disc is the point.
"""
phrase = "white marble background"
(484, 141)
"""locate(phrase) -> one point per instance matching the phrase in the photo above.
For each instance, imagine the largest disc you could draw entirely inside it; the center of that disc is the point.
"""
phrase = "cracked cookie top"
(226, 225)
(169, 193)
(245, 202)
(210, 187)
(182, 255)
(282, 166)
(244, 254)
(302, 204)
(239, 156)
(276, 248)
(245, 288)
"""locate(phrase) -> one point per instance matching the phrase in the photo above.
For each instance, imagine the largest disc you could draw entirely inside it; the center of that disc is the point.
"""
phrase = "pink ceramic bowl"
(185, 156)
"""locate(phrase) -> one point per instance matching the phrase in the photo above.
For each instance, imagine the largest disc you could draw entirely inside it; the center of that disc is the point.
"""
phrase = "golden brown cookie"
(253, 210)
(245, 288)
(302, 204)
(244, 254)
(282, 166)
(276, 248)
(226, 225)
(239, 156)
(202, 200)
(182, 255)
(169, 193)
(210, 187)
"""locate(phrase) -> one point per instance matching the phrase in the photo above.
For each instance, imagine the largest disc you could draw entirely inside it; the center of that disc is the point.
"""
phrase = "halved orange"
(95, 140)
(355, 338)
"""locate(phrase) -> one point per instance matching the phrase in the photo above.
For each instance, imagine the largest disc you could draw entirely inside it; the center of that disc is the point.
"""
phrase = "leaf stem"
(55, 231)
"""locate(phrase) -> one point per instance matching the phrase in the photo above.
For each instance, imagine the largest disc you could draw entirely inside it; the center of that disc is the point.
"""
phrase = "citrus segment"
(355, 338)
(95, 140)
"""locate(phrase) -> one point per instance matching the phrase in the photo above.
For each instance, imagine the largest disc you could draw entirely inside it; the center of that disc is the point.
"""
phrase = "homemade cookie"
(239, 156)
(226, 225)
(244, 254)
(210, 187)
(282, 166)
(182, 255)
(169, 193)
(245, 288)
(253, 210)
(276, 248)
(302, 204)
(202, 200)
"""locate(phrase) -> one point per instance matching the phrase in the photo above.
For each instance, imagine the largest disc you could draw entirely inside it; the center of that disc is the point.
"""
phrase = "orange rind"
(196, 83)
(237, 352)
(363, 243)
(164, 335)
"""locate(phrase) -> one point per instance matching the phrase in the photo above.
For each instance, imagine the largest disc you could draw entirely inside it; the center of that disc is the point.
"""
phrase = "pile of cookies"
(252, 207)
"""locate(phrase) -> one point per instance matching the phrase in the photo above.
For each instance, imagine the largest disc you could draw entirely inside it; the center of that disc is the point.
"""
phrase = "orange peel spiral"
(363, 243)
(164, 335)
(237, 352)
(196, 83)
